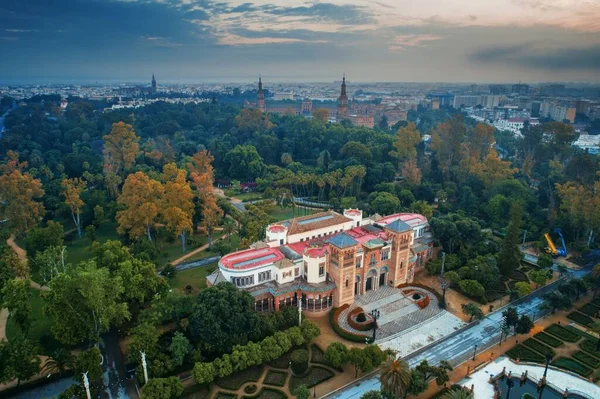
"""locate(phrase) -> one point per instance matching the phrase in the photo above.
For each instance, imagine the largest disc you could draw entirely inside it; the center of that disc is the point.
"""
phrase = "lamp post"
(443, 263)
(474, 352)
(300, 311)
(548, 358)
(445, 285)
(375, 313)
(510, 384)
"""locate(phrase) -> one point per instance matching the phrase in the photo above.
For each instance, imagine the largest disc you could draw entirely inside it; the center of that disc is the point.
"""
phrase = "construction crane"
(552, 250)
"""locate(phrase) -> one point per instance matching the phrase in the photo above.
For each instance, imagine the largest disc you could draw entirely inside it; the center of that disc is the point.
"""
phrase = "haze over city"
(233, 40)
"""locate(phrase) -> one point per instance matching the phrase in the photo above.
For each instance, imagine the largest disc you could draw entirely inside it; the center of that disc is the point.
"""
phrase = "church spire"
(344, 85)
(260, 82)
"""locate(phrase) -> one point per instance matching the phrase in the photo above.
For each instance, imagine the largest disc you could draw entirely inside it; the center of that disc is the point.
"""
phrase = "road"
(460, 347)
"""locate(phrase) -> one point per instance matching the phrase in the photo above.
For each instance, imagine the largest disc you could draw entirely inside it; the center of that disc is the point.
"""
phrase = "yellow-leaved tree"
(121, 147)
(71, 190)
(177, 205)
(140, 200)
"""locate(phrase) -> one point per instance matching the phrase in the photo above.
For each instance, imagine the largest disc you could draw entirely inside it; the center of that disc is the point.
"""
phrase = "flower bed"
(423, 302)
(539, 347)
(225, 395)
(548, 339)
(586, 359)
(315, 376)
(267, 393)
(525, 354)
(580, 318)
(426, 288)
(318, 356)
(518, 275)
(562, 333)
(589, 310)
(276, 378)
(353, 320)
(589, 345)
(572, 365)
(333, 319)
(239, 378)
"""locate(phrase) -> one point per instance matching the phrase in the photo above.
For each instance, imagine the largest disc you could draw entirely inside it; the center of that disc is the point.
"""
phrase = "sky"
(65, 41)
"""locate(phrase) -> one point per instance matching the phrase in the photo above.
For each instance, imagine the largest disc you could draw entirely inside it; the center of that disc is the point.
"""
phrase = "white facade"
(316, 233)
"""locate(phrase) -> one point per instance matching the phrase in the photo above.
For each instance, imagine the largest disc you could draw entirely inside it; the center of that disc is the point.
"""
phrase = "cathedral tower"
(260, 96)
(342, 108)
(153, 84)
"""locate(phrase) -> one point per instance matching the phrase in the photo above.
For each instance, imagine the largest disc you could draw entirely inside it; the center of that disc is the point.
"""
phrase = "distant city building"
(589, 143)
(557, 111)
(520, 89)
(283, 96)
(154, 87)
(535, 108)
(489, 101)
(498, 89)
(444, 99)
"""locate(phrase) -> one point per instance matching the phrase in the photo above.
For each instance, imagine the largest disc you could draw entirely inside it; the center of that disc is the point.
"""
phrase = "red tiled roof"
(412, 219)
(250, 258)
(321, 220)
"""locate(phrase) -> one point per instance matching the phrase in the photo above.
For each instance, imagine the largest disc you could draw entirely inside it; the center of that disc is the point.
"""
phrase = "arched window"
(373, 260)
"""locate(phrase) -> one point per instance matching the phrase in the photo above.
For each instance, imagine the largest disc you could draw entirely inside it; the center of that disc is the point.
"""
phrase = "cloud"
(402, 42)
(236, 40)
(533, 55)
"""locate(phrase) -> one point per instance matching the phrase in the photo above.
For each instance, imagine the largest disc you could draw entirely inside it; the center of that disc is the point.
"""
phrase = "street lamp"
(375, 313)
(474, 352)
(510, 384)
(548, 358)
(445, 285)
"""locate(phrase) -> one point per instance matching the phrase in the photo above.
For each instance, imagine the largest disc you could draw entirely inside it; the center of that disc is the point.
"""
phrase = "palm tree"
(395, 377)
(59, 362)
(229, 228)
(459, 394)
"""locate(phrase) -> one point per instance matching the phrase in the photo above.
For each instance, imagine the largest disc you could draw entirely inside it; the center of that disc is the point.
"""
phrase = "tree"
(384, 203)
(321, 115)
(407, 139)
(89, 361)
(177, 206)
(472, 288)
(16, 297)
(539, 277)
(470, 309)
(395, 377)
(229, 228)
(224, 317)
(85, 303)
(524, 325)
(19, 193)
(120, 148)
(203, 373)
(244, 163)
(41, 238)
(337, 354)
(309, 330)
(579, 287)
(302, 392)
(211, 214)
(59, 362)
(299, 361)
(523, 288)
(554, 301)
(22, 359)
(511, 317)
(162, 388)
(179, 348)
(411, 172)
(459, 393)
(440, 372)
(545, 261)
(140, 201)
(372, 395)
(510, 255)
(71, 191)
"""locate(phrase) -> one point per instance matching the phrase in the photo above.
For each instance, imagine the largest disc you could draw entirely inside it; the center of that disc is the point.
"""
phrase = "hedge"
(580, 318)
(589, 310)
(197, 392)
(267, 393)
(315, 376)
(572, 365)
(359, 325)
(237, 379)
(518, 275)
(589, 345)
(525, 354)
(276, 378)
(429, 289)
(299, 361)
(225, 395)
(548, 339)
(562, 333)
(539, 347)
(333, 320)
(586, 359)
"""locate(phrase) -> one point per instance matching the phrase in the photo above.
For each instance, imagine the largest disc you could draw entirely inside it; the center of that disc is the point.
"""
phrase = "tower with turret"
(153, 84)
(260, 96)
(342, 108)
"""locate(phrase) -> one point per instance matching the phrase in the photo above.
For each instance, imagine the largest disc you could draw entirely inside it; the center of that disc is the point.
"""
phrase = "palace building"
(328, 259)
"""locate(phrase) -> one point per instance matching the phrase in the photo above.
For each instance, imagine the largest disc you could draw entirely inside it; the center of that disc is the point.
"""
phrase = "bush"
(432, 290)
(519, 276)
(318, 356)
(250, 388)
(562, 333)
(586, 359)
(299, 361)
(589, 310)
(539, 347)
(361, 317)
(276, 378)
(315, 376)
(572, 365)
(548, 339)
(589, 345)
(580, 318)
(525, 354)
(333, 318)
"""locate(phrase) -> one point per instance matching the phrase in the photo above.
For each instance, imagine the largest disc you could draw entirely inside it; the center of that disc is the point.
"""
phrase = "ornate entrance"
(383, 276)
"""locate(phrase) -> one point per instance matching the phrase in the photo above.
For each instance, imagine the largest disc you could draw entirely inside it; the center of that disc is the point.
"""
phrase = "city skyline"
(190, 41)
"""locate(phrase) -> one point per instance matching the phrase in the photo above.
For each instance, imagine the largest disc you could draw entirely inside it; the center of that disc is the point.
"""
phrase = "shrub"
(267, 393)
(525, 354)
(250, 388)
(580, 318)
(318, 356)
(562, 333)
(548, 339)
(361, 317)
(586, 359)
(589, 310)
(518, 275)
(276, 378)
(333, 318)
(239, 378)
(589, 345)
(315, 376)
(572, 365)
(538, 347)
(299, 361)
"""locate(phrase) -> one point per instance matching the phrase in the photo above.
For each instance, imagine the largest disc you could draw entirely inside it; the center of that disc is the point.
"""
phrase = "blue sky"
(233, 40)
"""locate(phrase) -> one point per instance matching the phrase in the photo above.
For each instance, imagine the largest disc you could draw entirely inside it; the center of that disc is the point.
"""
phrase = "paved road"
(460, 347)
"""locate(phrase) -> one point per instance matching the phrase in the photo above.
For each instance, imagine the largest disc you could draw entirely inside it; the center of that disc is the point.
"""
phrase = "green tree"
(440, 372)
(24, 360)
(302, 392)
(59, 362)
(472, 310)
(524, 325)
(16, 297)
(510, 254)
(511, 317)
(244, 163)
(372, 395)
(554, 301)
(337, 354)
(539, 277)
(472, 288)
(89, 361)
(545, 260)
(179, 348)
(459, 393)
(523, 288)
(309, 330)
(384, 203)
(204, 373)
(162, 388)
(395, 377)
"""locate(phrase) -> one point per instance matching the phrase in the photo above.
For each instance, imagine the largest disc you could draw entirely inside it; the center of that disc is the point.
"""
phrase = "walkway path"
(195, 251)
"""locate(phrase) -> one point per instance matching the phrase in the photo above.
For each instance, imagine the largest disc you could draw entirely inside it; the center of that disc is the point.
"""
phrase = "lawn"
(40, 326)
(280, 214)
(79, 249)
(195, 277)
(315, 376)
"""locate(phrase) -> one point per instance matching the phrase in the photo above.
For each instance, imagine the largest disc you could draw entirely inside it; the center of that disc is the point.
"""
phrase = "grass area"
(548, 339)
(539, 347)
(525, 354)
(572, 365)
(289, 213)
(195, 277)
(78, 249)
(239, 378)
(277, 378)
(40, 326)
(196, 392)
(589, 310)
(587, 359)
(580, 318)
(562, 333)
(315, 376)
